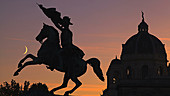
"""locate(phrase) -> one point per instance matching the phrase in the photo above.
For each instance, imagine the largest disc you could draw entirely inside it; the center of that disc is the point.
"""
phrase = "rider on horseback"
(67, 59)
(66, 40)
(69, 49)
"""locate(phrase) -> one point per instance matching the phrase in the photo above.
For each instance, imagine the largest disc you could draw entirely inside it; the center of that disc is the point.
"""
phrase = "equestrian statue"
(67, 57)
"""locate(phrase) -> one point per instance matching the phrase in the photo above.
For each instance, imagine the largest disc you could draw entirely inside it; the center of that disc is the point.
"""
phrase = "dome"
(143, 43)
(115, 62)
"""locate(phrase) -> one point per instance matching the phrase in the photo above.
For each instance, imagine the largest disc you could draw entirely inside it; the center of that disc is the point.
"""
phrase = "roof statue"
(142, 16)
(116, 57)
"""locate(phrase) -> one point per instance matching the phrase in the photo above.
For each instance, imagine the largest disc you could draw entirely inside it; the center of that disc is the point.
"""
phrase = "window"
(160, 71)
(129, 72)
(114, 80)
(116, 76)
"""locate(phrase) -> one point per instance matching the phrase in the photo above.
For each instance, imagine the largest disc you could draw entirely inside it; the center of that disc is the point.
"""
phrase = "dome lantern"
(143, 26)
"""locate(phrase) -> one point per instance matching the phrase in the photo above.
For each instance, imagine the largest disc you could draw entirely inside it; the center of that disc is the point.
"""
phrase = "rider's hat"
(66, 20)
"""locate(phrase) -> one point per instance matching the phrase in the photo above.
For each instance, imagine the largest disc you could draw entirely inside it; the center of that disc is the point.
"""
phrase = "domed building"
(142, 68)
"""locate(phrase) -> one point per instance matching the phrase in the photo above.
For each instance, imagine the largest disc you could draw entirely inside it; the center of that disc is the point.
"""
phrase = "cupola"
(143, 26)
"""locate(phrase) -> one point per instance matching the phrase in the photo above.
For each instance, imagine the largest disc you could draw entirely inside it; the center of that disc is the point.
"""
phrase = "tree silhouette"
(39, 89)
(15, 89)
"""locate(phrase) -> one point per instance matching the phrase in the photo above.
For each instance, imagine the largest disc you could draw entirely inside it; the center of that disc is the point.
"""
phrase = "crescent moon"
(26, 50)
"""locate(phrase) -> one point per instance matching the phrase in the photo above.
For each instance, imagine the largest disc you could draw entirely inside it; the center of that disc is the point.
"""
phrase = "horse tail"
(95, 63)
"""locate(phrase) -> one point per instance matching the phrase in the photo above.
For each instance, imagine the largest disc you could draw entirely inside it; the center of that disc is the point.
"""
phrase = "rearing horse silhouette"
(51, 53)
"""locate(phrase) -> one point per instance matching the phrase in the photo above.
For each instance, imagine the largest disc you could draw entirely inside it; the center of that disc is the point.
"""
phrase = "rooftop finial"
(116, 57)
(142, 16)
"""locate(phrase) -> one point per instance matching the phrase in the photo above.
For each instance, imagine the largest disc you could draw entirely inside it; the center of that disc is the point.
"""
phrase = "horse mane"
(54, 29)
(51, 27)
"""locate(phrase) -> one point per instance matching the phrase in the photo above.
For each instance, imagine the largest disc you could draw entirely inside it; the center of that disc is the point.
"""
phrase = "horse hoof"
(51, 92)
(16, 73)
(67, 93)
(19, 65)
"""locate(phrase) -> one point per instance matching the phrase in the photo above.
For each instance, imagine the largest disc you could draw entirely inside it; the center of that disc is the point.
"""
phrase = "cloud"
(71, 85)
(105, 35)
(87, 87)
(166, 39)
(19, 39)
(95, 48)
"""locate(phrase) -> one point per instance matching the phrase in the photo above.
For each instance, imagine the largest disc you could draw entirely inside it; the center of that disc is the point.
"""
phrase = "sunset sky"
(100, 27)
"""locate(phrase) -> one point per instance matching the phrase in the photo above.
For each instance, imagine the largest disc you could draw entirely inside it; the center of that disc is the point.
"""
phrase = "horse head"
(43, 33)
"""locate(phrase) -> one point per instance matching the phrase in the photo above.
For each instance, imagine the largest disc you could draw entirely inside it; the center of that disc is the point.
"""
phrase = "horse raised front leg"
(64, 85)
(25, 64)
(78, 84)
(27, 56)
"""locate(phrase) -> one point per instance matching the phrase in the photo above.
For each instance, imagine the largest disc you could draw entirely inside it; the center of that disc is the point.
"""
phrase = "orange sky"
(100, 28)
